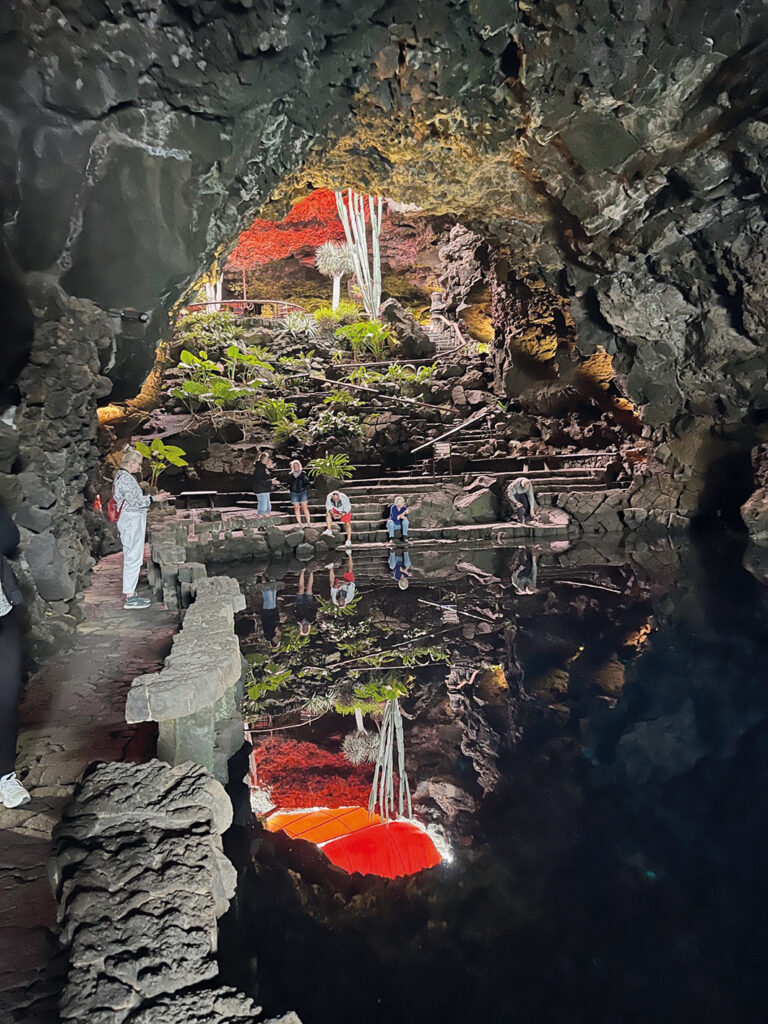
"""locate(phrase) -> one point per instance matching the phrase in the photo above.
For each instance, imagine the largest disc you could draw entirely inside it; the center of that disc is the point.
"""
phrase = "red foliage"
(310, 222)
(301, 774)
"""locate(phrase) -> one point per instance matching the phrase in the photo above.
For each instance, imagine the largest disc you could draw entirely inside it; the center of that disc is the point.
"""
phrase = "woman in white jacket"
(132, 505)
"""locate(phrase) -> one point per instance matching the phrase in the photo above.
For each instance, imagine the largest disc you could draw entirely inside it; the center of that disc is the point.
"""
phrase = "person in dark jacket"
(298, 485)
(262, 483)
(12, 793)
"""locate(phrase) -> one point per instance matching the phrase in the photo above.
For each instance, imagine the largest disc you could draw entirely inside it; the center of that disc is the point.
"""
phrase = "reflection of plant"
(336, 466)
(368, 336)
(383, 788)
(331, 423)
(271, 676)
(345, 312)
(317, 705)
(160, 456)
(328, 608)
(297, 326)
(341, 397)
(360, 746)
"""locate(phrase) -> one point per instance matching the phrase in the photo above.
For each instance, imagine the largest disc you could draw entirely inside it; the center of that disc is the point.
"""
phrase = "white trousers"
(132, 527)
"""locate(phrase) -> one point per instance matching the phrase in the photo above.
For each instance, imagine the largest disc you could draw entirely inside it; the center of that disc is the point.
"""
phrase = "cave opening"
(467, 710)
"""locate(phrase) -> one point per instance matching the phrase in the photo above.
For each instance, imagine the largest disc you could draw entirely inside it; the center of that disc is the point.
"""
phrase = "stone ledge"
(204, 662)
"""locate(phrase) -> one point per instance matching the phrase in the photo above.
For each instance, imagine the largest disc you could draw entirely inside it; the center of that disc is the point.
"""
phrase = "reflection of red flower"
(310, 222)
(301, 774)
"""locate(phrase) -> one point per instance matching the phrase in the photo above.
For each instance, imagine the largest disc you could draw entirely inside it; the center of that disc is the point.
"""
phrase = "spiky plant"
(360, 747)
(334, 259)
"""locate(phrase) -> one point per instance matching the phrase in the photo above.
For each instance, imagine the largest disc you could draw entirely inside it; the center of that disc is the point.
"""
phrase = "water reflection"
(584, 732)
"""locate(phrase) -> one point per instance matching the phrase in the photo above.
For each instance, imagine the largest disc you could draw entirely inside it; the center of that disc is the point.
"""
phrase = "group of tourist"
(131, 506)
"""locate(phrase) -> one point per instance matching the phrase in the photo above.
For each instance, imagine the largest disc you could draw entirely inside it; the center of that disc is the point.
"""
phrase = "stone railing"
(140, 879)
(194, 697)
(234, 539)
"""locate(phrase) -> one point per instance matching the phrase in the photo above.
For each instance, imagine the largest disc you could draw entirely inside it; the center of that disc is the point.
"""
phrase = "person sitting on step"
(342, 591)
(298, 486)
(520, 494)
(338, 509)
(306, 604)
(262, 484)
(398, 519)
(401, 568)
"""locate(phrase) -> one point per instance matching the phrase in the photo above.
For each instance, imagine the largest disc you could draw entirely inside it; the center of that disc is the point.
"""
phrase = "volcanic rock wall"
(615, 152)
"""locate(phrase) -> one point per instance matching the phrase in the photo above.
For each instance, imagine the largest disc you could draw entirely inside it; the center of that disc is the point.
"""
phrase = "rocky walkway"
(72, 714)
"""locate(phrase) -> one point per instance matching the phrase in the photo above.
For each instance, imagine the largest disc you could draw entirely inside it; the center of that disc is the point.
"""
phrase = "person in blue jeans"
(398, 518)
(262, 483)
(298, 486)
(401, 568)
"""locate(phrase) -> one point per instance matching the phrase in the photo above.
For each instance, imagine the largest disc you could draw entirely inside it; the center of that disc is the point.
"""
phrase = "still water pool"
(581, 738)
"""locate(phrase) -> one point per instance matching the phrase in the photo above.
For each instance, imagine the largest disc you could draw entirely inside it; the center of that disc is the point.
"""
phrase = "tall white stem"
(336, 290)
(367, 269)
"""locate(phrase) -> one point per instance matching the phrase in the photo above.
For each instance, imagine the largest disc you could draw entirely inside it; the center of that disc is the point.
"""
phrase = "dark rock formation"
(140, 879)
(615, 156)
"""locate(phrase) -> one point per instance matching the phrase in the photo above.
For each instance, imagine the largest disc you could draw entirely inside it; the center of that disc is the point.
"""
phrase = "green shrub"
(346, 313)
(205, 330)
(160, 456)
(341, 397)
(275, 411)
(333, 424)
(370, 336)
(336, 466)
(297, 326)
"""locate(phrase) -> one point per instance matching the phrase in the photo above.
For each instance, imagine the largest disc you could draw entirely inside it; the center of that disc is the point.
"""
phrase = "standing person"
(132, 505)
(342, 591)
(338, 509)
(520, 494)
(298, 485)
(398, 517)
(262, 484)
(12, 793)
(305, 604)
(401, 569)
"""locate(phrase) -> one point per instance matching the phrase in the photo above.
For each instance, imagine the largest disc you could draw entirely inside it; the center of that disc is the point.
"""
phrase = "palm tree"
(334, 259)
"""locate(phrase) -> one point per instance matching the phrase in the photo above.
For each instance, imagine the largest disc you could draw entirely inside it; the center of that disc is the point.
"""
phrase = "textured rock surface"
(140, 880)
(629, 188)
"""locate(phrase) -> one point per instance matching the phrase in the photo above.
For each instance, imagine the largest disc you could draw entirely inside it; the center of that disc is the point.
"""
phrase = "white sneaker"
(327, 533)
(348, 545)
(12, 793)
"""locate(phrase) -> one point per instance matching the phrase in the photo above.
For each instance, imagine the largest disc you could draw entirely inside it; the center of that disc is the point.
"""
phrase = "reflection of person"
(270, 616)
(526, 572)
(262, 483)
(520, 494)
(12, 793)
(338, 509)
(132, 505)
(398, 518)
(298, 486)
(401, 568)
(342, 591)
(306, 604)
